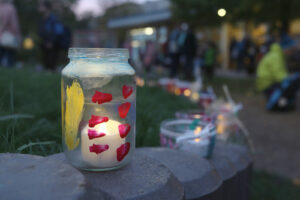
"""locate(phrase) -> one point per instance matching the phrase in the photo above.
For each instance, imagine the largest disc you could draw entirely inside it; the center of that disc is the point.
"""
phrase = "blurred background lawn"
(30, 120)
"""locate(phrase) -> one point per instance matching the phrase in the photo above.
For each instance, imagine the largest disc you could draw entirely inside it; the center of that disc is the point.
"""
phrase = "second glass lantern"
(98, 108)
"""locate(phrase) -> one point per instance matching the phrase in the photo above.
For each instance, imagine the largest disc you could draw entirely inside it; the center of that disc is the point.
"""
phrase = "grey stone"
(239, 155)
(227, 171)
(199, 178)
(142, 178)
(243, 162)
(33, 177)
(223, 165)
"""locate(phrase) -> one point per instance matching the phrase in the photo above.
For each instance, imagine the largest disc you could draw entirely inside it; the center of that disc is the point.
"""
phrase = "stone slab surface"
(196, 174)
(237, 154)
(33, 177)
(223, 165)
(242, 160)
(228, 172)
(142, 178)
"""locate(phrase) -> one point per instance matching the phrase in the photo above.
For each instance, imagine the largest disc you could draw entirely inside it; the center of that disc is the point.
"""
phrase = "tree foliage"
(122, 10)
(204, 12)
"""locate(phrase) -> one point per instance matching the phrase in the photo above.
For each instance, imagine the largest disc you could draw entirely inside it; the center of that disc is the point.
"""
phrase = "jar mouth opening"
(98, 53)
(178, 126)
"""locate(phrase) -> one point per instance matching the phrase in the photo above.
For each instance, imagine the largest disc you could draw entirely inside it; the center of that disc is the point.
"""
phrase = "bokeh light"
(149, 31)
(28, 43)
(221, 12)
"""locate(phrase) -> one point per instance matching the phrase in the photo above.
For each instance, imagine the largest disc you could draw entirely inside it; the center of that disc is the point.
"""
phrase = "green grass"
(30, 120)
(38, 95)
(270, 187)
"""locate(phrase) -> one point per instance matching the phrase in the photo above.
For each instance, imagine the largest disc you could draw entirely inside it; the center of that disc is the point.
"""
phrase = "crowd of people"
(54, 36)
(181, 52)
(268, 61)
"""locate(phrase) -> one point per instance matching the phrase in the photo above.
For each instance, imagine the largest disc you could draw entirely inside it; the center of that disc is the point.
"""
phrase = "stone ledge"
(33, 177)
(153, 173)
(243, 163)
(142, 178)
(196, 174)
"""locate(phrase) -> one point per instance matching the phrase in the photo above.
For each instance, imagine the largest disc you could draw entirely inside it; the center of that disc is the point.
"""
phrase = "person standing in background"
(188, 47)
(210, 59)
(54, 36)
(9, 33)
(149, 55)
(173, 52)
(47, 35)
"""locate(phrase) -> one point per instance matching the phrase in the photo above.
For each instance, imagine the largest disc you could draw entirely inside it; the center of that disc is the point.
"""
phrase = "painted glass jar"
(98, 108)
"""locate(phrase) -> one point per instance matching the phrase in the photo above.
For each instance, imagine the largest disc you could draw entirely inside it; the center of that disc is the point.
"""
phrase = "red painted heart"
(122, 151)
(127, 91)
(101, 97)
(98, 148)
(124, 129)
(93, 134)
(123, 109)
(97, 120)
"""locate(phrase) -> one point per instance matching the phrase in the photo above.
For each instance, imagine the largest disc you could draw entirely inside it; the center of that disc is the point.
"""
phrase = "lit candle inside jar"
(197, 145)
(198, 141)
(221, 127)
(93, 140)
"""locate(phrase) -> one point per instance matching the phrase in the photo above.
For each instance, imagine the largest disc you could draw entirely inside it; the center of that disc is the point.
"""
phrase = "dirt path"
(276, 137)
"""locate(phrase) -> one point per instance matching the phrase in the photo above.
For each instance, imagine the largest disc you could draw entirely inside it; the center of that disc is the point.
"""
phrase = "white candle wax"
(112, 138)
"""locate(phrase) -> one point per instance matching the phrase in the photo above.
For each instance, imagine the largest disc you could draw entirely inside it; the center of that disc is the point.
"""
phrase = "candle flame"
(139, 81)
(220, 117)
(197, 116)
(187, 92)
(195, 96)
(197, 140)
(220, 128)
(177, 91)
(197, 130)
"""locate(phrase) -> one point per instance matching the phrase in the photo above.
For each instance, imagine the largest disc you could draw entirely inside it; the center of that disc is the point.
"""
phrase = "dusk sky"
(95, 7)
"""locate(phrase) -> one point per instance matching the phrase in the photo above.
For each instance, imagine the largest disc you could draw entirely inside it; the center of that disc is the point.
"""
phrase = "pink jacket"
(9, 19)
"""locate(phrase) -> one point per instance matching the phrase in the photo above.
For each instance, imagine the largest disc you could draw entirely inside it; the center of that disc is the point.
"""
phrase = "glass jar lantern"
(194, 136)
(98, 108)
(193, 115)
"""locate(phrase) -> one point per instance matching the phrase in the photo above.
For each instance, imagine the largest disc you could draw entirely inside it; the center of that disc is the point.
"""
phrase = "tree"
(204, 12)
(122, 10)
(277, 12)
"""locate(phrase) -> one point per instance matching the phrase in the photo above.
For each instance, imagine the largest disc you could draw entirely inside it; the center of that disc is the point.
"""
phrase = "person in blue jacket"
(53, 34)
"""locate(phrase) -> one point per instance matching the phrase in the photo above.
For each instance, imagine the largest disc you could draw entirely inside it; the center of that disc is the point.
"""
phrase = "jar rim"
(75, 52)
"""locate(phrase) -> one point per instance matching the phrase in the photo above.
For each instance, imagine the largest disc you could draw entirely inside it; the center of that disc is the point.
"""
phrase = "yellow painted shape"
(73, 114)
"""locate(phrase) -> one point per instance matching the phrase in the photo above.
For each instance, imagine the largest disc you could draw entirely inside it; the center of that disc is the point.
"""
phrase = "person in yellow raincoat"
(271, 69)
(273, 80)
